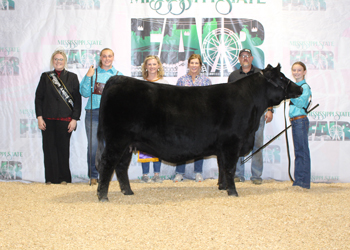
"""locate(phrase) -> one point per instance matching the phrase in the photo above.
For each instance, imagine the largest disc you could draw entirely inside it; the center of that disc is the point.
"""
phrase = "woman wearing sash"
(58, 108)
(152, 71)
(99, 78)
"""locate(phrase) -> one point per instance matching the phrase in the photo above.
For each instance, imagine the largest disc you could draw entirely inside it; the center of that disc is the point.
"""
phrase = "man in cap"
(247, 68)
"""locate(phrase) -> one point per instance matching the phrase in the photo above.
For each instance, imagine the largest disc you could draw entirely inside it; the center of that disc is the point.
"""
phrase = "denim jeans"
(93, 142)
(302, 163)
(198, 167)
(257, 160)
(156, 167)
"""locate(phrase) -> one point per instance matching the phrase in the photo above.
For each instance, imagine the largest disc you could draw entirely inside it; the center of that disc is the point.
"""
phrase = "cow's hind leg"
(222, 179)
(121, 171)
(111, 159)
(105, 171)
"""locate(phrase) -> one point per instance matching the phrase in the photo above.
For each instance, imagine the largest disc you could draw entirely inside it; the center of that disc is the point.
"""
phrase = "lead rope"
(90, 139)
(287, 142)
(274, 138)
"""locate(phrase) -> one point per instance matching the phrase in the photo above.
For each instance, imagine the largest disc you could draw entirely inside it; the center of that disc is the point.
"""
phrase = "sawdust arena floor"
(169, 215)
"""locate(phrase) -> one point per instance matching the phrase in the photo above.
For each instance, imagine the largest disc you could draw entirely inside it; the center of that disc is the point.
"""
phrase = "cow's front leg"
(231, 187)
(227, 161)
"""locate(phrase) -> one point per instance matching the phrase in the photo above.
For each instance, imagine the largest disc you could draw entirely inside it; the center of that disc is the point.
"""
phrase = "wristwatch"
(270, 110)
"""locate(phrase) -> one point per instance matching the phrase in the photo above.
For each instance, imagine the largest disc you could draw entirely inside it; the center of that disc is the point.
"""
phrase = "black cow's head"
(278, 79)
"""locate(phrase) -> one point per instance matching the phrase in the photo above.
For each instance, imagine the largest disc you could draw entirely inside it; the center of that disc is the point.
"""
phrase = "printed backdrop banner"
(277, 31)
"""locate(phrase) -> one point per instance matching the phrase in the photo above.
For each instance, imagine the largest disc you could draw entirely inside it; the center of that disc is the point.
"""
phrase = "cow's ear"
(269, 66)
(278, 67)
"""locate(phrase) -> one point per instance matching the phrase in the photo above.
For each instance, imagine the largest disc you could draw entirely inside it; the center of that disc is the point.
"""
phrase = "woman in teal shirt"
(100, 76)
(300, 128)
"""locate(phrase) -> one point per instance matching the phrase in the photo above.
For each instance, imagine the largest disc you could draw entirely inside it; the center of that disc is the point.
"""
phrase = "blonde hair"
(195, 56)
(61, 52)
(160, 72)
(100, 62)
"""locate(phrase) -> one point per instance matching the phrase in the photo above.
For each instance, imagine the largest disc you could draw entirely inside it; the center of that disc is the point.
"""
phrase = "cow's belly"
(176, 153)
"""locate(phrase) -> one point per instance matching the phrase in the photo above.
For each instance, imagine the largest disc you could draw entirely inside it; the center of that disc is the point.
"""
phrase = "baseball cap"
(245, 50)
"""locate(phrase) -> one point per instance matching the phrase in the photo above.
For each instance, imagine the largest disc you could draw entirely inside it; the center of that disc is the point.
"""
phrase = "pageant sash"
(61, 89)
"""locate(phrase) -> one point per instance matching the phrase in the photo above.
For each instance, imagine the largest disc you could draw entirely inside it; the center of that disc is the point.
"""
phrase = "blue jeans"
(145, 167)
(93, 142)
(302, 169)
(198, 167)
(257, 160)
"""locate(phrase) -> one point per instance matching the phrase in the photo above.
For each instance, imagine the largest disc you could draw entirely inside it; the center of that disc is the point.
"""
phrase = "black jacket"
(239, 74)
(49, 104)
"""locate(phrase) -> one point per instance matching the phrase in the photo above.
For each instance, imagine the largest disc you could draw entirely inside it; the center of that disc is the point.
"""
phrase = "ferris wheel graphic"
(336, 132)
(87, 60)
(221, 49)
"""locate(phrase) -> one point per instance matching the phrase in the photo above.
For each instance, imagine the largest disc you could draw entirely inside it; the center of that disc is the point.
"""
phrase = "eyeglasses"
(58, 59)
(245, 56)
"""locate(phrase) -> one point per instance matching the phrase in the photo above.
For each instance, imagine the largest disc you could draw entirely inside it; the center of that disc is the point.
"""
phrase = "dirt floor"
(170, 215)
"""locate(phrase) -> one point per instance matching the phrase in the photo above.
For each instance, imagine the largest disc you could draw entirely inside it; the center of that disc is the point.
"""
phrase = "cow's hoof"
(222, 187)
(103, 199)
(232, 192)
(128, 192)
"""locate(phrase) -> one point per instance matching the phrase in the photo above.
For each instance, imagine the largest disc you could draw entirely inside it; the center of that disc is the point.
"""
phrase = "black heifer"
(178, 124)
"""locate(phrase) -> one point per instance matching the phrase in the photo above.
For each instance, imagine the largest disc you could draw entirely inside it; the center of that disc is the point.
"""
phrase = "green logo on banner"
(175, 39)
(7, 5)
(11, 170)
